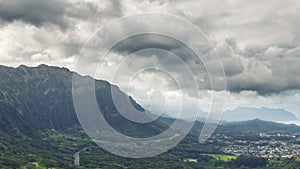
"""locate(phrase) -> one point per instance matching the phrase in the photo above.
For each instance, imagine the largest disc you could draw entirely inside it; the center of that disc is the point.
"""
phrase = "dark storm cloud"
(249, 70)
(266, 71)
(34, 12)
(173, 56)
(57, 12)
(146, 41)
(139, 42)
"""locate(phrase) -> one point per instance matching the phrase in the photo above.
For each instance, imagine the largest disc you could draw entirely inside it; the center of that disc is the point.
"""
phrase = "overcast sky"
(258, 43)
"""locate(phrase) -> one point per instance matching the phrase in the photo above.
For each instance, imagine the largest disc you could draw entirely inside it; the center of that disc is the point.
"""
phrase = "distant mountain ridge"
(263, 113)
(249, 113)
(257, 126)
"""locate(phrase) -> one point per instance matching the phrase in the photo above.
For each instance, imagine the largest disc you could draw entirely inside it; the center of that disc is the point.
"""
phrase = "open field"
(222, 157)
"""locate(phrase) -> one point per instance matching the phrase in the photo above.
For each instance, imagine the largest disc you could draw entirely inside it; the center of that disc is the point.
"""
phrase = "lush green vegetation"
(55, 149)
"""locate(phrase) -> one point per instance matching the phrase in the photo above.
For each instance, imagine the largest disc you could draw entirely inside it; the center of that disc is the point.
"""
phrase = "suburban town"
(266, 145)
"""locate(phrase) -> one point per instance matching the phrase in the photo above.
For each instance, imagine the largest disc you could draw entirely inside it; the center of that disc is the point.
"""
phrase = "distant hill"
(257, 126)
(267, 114)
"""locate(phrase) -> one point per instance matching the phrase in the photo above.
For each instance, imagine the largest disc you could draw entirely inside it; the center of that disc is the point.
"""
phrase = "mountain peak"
(22, 66)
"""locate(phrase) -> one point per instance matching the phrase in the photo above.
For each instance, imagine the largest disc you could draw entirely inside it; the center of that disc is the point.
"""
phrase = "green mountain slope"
(39, 98)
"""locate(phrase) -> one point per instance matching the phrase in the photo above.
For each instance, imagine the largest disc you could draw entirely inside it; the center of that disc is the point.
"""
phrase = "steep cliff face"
(38, 98)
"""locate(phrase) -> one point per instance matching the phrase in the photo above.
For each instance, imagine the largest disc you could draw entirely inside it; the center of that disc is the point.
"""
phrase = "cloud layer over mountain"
(258, 43)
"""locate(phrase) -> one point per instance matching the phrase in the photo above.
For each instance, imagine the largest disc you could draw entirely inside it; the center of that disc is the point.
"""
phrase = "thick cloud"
(34, 12)
(144, 41)
(267, 71)
(258, 41)
(52, 32)
(139, 42)
(57, 12)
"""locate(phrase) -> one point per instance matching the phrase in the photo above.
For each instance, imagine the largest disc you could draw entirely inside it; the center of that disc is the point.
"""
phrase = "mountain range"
(250, 113)
(39, 98)
(38, 121)
(263, 113)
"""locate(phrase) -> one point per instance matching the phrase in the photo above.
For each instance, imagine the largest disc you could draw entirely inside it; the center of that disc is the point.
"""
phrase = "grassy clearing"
(33, 165)
(222, 157)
